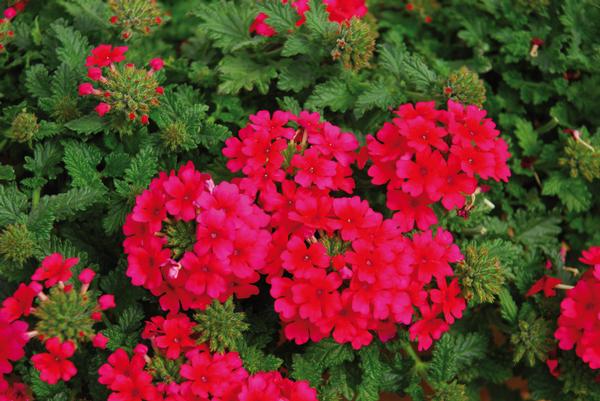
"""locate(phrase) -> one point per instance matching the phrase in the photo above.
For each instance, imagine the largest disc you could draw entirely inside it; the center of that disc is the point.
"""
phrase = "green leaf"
(12, 204)
(379, 95)
(228, 23)
(282, 16)
(335, 94)
(82, 161)
(572, 192)
(317, 20)
(37, 81)
(295, 76)
(86, 125)
(45, 160)
(74, 47)
(240, 72)
(68, 204)
(444, 365)
(7, 173)
(508, 307)
(528, 139)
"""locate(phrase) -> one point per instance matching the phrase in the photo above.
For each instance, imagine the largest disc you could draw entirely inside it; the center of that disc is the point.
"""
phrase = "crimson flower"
(172, 334)
(54, 268)
(14, 337)
(546, 284)
(54, 365)
(183, 191)
(313, 168)
(211, 374)
(20, 303)
(423, 175)
(411, 210)
(449, 299)
(105, 55)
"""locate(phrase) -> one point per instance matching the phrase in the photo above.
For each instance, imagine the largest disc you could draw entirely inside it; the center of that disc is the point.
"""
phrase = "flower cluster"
(15, 391)
(135, 16)
(339, 11)
(6, 28)
(122, 89)
(427, 155)
(189, 241)
(64, 318)
(336, 266)
(15, 7)
(347, 272)
(199, 375)
(579, 320)
(317, 154)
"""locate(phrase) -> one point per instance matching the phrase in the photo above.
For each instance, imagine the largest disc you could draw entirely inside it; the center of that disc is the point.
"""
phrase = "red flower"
(579, 321)
(449, 299)
(313, 169)
(150, 208)
(411, 210)
(173, 334)
(105, 55)
(215, 233)
(106, 301)
(302, 261)
(14, 335)
(119, 365)
(354, 216)
(144, 263)
(100, 341)
(20, 304)
(212, 374)
(317, 297)
(422, 134)
(102, 108)
(592, 257)
(156, 64)
(474, 161)
(55, 365)
(343, 10)
(183, 191)
(422, 175)
(456, 185)
(546, 284)
(86, 89)
(54, 269)
(469, 127)
(333, 142)
(274, 126)
(207, 275)
(427, 329)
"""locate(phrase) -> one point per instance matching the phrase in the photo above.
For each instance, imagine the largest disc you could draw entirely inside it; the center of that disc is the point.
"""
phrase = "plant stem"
(548, 126)
(420, 366)
(35, 197)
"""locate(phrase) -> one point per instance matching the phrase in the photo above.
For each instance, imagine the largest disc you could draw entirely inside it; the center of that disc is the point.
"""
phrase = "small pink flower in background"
(157, 64)
(102, 109)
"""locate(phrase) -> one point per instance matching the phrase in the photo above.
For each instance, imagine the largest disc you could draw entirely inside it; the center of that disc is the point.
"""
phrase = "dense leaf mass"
(299, 200)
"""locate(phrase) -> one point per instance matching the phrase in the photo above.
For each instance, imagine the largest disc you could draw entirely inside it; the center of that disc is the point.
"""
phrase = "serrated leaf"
(87, 125)
(68, 204)
(508, 307)
(528, 139)
(81, 161)
(12, 204)
(317, 20)
(281, 16)
(228, 24)
(44, 162)
(240, 72)
(573, 192)
(335, 94)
